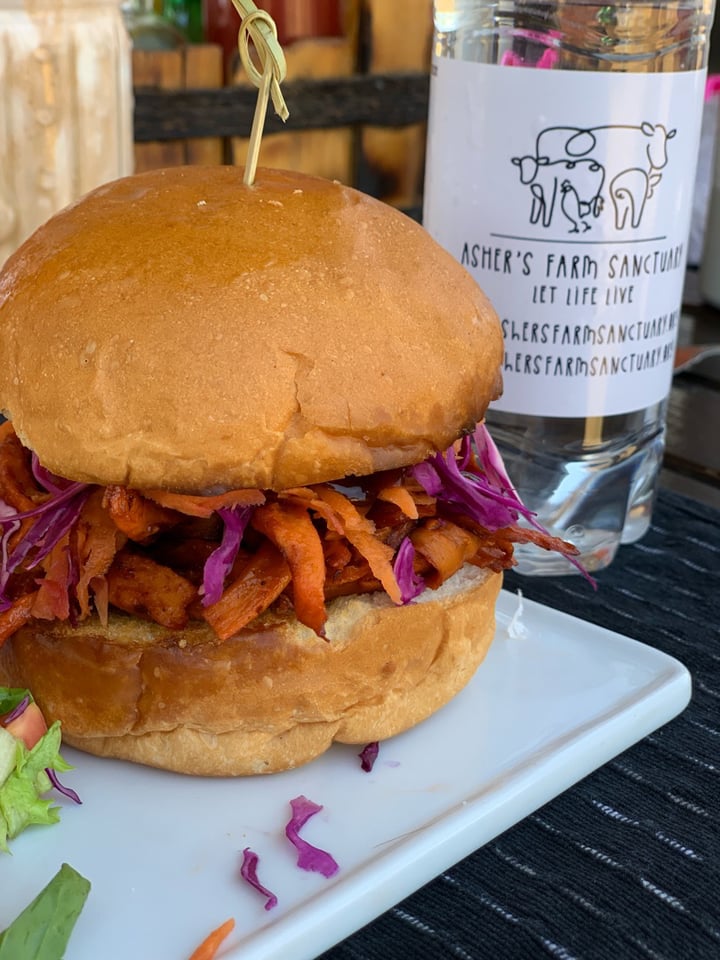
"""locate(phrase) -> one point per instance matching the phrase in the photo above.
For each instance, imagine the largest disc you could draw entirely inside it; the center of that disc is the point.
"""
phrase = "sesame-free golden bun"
(180, 329)
(271, 698)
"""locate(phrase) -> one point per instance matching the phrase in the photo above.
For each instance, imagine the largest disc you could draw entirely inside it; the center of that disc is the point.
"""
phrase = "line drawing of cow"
(631, 157)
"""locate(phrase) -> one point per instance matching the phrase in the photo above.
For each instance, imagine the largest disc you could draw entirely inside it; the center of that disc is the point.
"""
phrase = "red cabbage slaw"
(485, 495)
(309, 858)
(411, 584)
(471, 481)
(478, 489)
(60, 787)
(17, 711)
(53, 518)
(220, 561)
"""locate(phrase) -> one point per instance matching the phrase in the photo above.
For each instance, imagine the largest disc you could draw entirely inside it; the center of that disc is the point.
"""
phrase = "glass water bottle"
(562, 144)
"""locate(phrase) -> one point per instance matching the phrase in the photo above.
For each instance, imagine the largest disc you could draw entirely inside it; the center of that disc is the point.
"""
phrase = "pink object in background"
(705, 237)
(547, 61)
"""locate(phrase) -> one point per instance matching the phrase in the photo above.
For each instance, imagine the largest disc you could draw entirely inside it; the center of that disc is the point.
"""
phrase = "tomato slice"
(29, 727)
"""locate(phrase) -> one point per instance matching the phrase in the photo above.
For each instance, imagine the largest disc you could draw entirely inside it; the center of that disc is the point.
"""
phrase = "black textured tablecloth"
(626, 864)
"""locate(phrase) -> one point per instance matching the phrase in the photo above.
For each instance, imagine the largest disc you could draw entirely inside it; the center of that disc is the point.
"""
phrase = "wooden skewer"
(259, 26)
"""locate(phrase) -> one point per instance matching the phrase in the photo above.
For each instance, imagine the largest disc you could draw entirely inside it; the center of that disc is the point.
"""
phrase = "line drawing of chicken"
(572, 207)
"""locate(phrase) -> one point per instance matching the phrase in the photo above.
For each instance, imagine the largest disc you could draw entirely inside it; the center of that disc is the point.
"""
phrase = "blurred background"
(94, 89)
(193, 44)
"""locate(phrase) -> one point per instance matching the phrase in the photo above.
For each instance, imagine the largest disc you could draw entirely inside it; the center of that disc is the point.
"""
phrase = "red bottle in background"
(294, 19)
(222, 22)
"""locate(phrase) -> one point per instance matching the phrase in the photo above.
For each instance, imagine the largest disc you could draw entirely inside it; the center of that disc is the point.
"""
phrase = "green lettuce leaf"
(43, 929)
(21, 794)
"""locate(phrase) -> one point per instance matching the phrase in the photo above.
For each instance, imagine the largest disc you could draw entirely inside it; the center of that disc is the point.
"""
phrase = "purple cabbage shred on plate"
(61, 788)
(248, 871)
(310, 858)
(368, 756)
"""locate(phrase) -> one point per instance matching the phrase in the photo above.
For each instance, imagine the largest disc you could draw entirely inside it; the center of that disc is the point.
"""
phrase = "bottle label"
(568, 196)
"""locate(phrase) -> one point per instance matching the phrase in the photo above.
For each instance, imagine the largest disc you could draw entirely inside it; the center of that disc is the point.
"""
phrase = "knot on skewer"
(259, 26)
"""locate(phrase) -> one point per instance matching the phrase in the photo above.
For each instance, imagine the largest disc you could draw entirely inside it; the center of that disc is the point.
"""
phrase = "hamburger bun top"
(179, 329)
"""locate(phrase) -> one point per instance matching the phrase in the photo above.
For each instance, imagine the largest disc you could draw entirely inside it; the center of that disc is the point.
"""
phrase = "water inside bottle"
(597, 496)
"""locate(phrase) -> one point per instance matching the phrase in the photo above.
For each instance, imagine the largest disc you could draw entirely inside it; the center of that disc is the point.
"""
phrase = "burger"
(247, 503)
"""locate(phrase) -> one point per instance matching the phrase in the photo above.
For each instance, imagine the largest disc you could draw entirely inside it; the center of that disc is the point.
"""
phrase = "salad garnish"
(42, 931)
(29, 763)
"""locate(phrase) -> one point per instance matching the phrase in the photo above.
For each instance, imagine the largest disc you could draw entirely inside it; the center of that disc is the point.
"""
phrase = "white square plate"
(163, 851)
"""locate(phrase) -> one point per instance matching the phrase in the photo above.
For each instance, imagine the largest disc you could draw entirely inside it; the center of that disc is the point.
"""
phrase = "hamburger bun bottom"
(269, 699)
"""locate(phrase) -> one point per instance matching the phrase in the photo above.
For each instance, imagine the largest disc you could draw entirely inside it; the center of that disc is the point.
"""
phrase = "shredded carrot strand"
(445, 546)
(16, 480)
(52, 601)
(100, 591)
(138, 517)
(17, 484)
(211, 944)
(289, 527)
(198, 506)
(402, 498)
(337, 555)
(260, 582)
(354, 578)
(96, 541)
(306, 498)
(540, 538)
(361, 534)
(16, 616)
